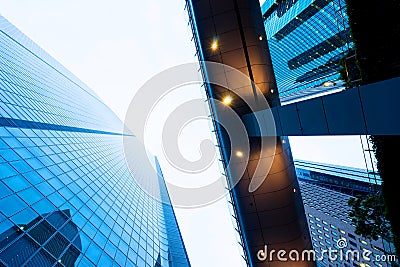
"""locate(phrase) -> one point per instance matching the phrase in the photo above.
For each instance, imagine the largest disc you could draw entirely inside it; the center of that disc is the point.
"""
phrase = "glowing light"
(294, 190)
(214, 45)
(272, 90)
(328, 83)
(260, 38)
(239, 154)
(227, 100)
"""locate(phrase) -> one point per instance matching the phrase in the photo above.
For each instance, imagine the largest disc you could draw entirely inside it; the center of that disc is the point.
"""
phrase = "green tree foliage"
(369, 217)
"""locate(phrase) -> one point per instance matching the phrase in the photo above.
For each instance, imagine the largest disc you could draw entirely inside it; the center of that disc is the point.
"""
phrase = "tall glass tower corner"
(67, 196)
(308, 41)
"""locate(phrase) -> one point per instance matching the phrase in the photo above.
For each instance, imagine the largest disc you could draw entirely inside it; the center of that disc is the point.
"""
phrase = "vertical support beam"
(232, 32)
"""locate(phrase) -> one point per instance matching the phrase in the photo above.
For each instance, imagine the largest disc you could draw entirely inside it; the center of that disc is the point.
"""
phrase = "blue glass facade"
(307, 40)
(67, 196)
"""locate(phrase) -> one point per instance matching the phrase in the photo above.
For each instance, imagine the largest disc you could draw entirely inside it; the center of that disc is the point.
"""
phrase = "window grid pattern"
(31, 89)
(328, 221)
(329, 21)
(67, 197)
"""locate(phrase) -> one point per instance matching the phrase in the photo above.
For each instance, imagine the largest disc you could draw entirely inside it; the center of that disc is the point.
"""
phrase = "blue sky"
(114, 47)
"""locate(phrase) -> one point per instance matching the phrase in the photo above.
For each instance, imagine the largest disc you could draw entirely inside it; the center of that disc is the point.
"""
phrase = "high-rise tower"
(67, 196)
(326, 190)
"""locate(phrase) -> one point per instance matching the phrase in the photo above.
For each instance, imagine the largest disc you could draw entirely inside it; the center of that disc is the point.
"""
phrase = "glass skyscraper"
(67, 196)
(308, 40)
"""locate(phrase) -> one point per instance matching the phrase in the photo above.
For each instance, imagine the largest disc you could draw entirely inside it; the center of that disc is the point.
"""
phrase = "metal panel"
(280, 226)
(380, 102)
(312, 117)
(278, 127)
(371, 109)
(250, 122)
(289, 120)
(344, 113)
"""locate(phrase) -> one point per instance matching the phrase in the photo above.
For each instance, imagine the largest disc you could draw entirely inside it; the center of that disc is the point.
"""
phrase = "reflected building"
(38, 242)
(67, 196)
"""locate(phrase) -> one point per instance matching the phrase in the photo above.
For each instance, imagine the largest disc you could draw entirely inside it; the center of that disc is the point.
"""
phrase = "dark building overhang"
(232, 32)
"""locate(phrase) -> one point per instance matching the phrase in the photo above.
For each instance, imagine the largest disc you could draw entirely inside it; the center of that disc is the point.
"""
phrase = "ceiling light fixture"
(214, 45)
(239, 154)
(227, 100)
